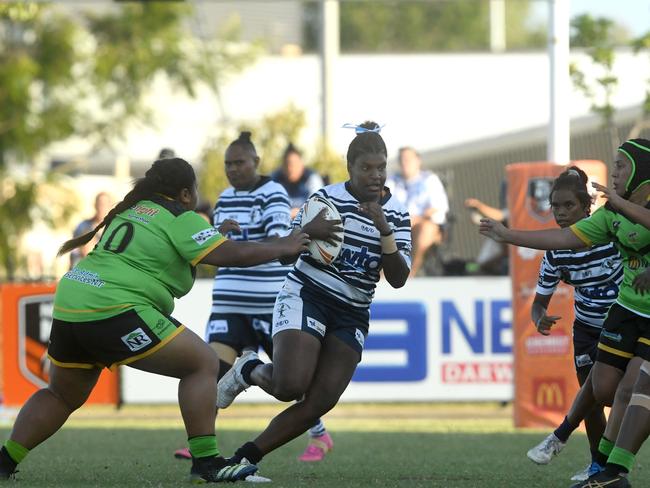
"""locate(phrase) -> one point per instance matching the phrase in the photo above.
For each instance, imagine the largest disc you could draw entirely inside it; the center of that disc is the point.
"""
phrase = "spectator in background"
(300, 182)
(423, 194)
(103, 204)
(166, 153)
(492, 258)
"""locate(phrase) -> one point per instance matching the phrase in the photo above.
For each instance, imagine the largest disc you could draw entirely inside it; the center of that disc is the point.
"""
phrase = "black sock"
(6, 460)
(601, 458)
(594, 456)
(564, 431)
(249, 451)
(613, 469)
(248, 368)
(217, 462)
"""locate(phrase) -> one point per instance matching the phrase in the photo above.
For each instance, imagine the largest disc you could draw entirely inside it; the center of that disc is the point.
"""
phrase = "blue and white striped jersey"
(595, 273)
(261, 212)
(351, 278)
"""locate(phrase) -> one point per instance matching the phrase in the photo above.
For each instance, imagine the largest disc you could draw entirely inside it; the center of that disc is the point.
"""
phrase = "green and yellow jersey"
(146, 256)
(632, 241)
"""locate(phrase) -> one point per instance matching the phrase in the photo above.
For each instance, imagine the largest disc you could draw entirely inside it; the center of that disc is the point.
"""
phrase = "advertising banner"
(545, 380)
(435, 339)
(26, 319)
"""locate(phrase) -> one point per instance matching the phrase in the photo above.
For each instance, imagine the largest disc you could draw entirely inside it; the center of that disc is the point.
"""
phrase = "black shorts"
(585, 347)
(241, 331)
(111, 342)
(625, 335)
(299, 308)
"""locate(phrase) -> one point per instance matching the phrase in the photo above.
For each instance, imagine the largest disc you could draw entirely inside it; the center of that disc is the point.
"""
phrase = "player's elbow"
(397, 281)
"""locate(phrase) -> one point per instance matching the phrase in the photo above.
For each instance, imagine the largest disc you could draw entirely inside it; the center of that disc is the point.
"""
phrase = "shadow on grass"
(91, 457)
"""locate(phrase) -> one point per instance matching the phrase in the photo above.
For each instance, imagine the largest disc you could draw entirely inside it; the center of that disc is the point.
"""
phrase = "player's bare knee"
(604, 394)
(70, 400)
(288, 392)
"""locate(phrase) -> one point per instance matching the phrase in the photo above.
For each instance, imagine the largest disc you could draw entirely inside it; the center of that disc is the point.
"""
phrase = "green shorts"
(111, 342)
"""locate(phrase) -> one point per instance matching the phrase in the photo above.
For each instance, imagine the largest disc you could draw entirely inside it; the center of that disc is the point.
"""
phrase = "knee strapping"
(640, 400)
(645, 367)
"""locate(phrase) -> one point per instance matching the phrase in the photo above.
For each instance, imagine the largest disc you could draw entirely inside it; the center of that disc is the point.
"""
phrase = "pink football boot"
(317, 448)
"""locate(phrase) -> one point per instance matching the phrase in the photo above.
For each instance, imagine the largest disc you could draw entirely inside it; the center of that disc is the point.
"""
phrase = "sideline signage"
(26, 319)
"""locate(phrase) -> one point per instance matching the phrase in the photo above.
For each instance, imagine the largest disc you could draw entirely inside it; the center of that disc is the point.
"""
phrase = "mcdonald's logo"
(548, 394)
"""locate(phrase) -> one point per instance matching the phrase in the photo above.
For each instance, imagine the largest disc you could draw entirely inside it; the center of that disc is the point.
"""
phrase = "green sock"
(621, 457)
(203, 446)
(605, 446)
(16, 451)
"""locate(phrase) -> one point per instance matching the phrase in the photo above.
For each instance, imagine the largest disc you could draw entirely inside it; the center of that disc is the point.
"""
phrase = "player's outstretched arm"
(247, 253)
(636, 213)
(547, 239)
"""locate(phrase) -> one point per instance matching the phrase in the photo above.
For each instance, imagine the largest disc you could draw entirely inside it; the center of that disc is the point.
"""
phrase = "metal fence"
(477, 170)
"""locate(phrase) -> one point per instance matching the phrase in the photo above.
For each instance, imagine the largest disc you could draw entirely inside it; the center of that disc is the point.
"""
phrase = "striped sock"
(318, 429)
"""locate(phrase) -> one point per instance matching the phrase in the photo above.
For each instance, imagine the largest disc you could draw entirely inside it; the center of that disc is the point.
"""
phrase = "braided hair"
(166, 176)
(368, 142)
(575, 181)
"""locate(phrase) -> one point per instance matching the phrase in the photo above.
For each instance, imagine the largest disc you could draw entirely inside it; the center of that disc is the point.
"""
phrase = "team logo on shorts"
(537, 198)
(583, 360)
(218, 327)
(358, 335)
(202, 237)
(136, 340)
(316, 325)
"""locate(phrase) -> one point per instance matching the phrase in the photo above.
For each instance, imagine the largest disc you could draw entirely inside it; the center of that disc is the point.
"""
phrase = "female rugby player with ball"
(321, 315)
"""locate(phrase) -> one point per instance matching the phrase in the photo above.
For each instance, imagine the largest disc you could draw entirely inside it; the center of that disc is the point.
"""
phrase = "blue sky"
(633, 14)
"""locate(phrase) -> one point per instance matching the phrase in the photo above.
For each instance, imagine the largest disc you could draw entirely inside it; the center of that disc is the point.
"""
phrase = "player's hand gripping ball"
(321, 250)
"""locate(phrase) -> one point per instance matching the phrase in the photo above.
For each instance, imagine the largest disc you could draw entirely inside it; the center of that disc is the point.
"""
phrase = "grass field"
(376, 445)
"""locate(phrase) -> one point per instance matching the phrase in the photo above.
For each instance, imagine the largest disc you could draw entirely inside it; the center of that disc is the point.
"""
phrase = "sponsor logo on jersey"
(202, 237)
(161, 326)
(86, 277)
(360, 258)
(136, 340)
(316, 325)
(141, 209)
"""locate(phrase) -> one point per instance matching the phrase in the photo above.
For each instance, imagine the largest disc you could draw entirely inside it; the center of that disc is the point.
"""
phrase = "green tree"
(424, 26)
(642, 45)
(36, 108)
(599, 37)
(87, 76)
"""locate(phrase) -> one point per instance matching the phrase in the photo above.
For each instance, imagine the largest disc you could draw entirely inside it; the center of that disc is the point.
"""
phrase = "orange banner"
(26, 318)
(544, 374)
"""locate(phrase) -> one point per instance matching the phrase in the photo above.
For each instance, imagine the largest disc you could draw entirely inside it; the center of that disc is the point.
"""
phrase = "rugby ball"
(322, 251)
